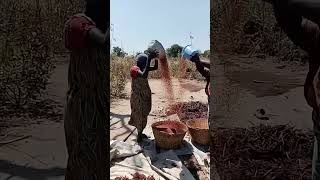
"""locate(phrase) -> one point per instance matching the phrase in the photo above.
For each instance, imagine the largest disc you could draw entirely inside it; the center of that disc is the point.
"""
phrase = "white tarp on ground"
(131, 165)
(120, 149)
(169, 163)
(163, 165)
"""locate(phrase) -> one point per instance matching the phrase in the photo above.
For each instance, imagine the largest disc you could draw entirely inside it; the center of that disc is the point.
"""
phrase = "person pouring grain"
(86, 114)
(140, 100)
(202, 66)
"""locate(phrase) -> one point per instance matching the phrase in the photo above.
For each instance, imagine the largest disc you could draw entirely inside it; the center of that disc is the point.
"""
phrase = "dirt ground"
(241, 85)
(43, 155)
(186, 90)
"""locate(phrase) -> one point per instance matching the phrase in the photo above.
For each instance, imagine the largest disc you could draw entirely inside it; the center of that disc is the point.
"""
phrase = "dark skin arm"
(205, 63)
(202, 66)
(98, 37)
(145, 72)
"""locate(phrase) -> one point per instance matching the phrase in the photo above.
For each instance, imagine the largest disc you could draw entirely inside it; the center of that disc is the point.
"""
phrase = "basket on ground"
(165, 137)
(199, 131)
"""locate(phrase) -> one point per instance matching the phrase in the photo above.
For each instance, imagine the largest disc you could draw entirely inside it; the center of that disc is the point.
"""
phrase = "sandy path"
(42, 156)
(238, 95)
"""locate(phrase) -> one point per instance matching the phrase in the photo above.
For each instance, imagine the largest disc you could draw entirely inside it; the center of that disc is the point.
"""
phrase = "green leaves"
(174, 51)
(117, 51)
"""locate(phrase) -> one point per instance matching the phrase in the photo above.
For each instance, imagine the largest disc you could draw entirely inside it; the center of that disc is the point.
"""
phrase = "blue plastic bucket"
(188, 52)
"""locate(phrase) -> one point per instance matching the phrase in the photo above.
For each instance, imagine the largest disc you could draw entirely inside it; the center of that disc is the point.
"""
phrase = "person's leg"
(143, 125)
(139, 137)
(315, 157)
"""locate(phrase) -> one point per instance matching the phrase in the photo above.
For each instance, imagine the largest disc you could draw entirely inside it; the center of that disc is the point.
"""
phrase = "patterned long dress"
(207, 91)
(87, 106)
(141, 103)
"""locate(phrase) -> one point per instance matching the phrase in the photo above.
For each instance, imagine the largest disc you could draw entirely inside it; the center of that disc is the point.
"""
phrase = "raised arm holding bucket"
(203, 66)
(140, 100)
(85, 118)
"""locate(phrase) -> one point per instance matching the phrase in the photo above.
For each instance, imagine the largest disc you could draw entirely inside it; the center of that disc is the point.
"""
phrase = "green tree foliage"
(174, 51)
(117, 51)
(206, 53)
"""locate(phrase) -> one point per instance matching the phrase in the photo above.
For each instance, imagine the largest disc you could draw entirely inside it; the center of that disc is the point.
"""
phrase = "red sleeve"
(134, 71)
(76, 31)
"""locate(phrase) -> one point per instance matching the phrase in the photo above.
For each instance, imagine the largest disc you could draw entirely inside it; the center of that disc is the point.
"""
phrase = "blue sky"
(137, 22)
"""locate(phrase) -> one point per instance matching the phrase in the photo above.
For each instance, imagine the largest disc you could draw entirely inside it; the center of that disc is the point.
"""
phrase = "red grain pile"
(166, 128)
(136, 176)
(188, 110)
(170, 128)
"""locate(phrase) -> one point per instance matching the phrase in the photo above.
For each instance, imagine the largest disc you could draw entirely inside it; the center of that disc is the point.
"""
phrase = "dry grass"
(263, 152)
(120, 73)
(31, 32)
(249, 27)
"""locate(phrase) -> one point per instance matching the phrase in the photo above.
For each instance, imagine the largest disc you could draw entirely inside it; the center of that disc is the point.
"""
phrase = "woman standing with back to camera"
(87, 98)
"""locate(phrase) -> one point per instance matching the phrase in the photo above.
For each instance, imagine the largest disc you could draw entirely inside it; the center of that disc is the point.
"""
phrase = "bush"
(30, 31)
(120, 73)
(249, 27)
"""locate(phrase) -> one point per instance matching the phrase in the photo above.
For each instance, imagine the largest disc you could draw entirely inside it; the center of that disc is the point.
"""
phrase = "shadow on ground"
(122, 122)
(14, 171)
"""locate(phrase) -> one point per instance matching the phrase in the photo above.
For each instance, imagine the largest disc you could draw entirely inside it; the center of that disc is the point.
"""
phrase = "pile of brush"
(263, 152)
(188, 110)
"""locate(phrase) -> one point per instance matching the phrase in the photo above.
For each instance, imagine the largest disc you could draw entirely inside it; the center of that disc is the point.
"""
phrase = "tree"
(174, 51)
(206, 53)
(117, 51)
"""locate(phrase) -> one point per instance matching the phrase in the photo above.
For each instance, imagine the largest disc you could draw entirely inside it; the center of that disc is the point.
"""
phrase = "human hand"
(152, 53)
(195, 58)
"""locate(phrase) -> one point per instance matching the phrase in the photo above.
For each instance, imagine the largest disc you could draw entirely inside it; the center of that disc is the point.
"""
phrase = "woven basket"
(166, 140)
(199, 131)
